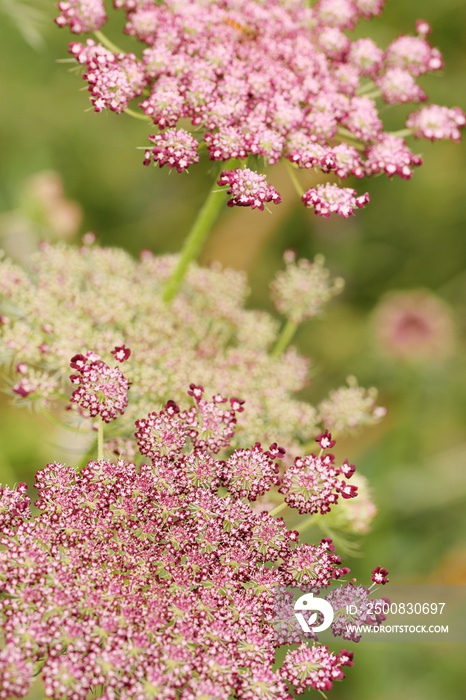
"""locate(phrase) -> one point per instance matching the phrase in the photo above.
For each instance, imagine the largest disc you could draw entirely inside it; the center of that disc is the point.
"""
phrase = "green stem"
(136, 115)
(285, 338)
(100, 441)
(278, 509)
(352, 142)
(294, 180)
(106, 42)
(364, 89)
(402, 133)
(372, 95)
(195, 239)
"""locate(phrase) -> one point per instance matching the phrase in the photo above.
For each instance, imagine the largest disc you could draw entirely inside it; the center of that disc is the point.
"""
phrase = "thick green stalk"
(285, 338)
(196, 238)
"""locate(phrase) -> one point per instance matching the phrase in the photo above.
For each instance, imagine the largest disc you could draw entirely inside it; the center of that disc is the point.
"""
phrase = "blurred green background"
(410, 237)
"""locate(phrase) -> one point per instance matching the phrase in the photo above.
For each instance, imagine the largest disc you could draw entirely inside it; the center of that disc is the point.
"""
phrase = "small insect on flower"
(243, 28)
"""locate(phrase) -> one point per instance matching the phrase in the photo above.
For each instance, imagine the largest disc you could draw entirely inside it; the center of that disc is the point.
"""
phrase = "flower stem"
(364, 89)
(106, 42)
(136, 115)
(294, 180)
(100, 441)
(285, 338)
(402, 133)
(278, 509)
(373, 94)
(195, 240)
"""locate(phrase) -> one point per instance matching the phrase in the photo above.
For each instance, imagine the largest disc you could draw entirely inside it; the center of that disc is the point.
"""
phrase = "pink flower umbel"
(15, 673)
(114, 80)
(391, 156)
(248, 189)
(282, 82)
(330, 199)
(435, 122)
(250, 473)
(364, 610)
(81, 15)
(312, 484)
(169, 342)
(303, 289)
(102, 390)
(313, 567)
(175, 148)
(148, 580)
(314, 667)
(413, 326)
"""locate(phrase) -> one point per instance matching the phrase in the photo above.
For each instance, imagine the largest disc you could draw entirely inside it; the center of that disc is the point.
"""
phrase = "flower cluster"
(435, 122)
(313, 484)
(276, 80)
(303, 289)
(205, 333)
(248, 189)
(414, 326)
(349, 406)
(102, 390)
(150, 581)
(315, 667)
(114, 80)
(15, 673)
(81, 15)
(175, 148)
(330, 199)
(364, 609)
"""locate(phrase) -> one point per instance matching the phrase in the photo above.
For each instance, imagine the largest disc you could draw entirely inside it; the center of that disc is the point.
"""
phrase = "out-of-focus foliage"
(410, 238)
(29, 18)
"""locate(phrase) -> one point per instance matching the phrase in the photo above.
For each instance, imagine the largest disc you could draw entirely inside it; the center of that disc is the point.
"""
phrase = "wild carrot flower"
(205, 333)
(150, 582)
(281, 82)
(102, 390)
(314, 667)
(352, 607)
(391, 156)
(313, 484)
(175, 148)
(330, 199)
(302, 290)
(434, 122)
(248, 188)
(349, 406)
(414, 326)
(81, 15)
(15, 673)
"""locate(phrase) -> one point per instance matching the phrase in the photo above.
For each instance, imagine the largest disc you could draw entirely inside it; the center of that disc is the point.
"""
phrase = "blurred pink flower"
(413, 325)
